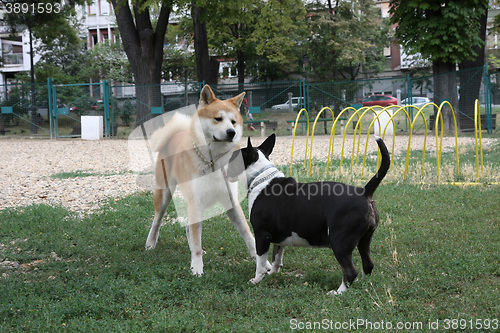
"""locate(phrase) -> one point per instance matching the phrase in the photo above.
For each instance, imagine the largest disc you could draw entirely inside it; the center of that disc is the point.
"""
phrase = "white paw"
(197, 267)
(197, 272)
(339, 291)
(255, 280)
(269, 267)
(150, 245)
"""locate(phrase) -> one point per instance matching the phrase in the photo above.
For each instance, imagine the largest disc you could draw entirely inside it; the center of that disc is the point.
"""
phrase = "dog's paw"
(150, 246)
(255, 280)
(197, 271)
(342, 289)
(269, 267)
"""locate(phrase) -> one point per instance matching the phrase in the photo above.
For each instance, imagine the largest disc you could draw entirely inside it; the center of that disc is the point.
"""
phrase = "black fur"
(326, 214)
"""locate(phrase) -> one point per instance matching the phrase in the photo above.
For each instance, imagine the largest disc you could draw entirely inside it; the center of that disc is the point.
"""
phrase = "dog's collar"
(254, 182)
(209, 163)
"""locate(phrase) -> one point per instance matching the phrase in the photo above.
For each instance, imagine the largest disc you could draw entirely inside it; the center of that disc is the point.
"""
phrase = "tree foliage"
(107, 61)
(446, 32)
(443, 31)
(345, 39)
(258, 34)
(55, 34)
(46, 26)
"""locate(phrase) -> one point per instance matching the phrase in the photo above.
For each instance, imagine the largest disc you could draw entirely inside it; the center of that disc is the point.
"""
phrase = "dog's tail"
(372, 185)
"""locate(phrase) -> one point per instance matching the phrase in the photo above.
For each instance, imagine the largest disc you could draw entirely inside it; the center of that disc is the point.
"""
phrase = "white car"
(416, 101)
(286, 106)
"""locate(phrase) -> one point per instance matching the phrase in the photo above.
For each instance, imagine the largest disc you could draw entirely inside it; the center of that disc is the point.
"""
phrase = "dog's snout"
(231, 133)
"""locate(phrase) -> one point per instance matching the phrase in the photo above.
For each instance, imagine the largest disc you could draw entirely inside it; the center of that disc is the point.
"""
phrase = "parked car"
(286, 106)
(380, 100)
(416, 101)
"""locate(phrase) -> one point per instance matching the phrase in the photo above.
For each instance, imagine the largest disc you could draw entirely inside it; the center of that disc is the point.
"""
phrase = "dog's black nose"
(231, 133)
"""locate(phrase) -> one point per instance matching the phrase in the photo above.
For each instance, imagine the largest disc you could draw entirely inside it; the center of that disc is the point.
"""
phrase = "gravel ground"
(28, 166)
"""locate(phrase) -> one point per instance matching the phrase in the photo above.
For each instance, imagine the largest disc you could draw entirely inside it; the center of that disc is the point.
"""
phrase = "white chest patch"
(295, 240)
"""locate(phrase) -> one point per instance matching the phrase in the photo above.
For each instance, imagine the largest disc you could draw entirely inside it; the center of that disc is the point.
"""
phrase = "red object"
(380, 100)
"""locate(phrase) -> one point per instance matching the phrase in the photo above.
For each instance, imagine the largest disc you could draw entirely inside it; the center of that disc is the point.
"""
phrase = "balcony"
(13, 59)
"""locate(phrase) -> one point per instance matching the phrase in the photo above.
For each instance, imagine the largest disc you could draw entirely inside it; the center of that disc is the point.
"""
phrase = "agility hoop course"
(390, 113)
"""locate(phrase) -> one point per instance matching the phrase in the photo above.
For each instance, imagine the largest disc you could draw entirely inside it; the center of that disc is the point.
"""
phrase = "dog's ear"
(237, 100)
(268, 145)
(249, 143)
(207, 96)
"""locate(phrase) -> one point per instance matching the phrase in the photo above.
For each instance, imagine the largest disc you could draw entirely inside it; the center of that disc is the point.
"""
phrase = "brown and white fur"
(191, 153)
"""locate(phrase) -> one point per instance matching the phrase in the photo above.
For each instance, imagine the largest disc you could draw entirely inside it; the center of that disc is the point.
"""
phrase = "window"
(93, 38)
(93, 8)
(104, 4)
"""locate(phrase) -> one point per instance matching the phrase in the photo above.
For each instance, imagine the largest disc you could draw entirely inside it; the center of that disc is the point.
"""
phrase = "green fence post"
(49, 106)
(54, 110)
(105, 88)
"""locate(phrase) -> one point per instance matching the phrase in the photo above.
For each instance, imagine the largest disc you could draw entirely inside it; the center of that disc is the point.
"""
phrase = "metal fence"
(55, 109)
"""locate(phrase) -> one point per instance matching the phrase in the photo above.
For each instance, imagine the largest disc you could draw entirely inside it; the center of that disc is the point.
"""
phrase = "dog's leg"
(262, 244)
(261, 269)
(277, 258)
(162, 198)
(364, 251)
(349, 272)
(238, 218)
(193, 232)
(343, 244)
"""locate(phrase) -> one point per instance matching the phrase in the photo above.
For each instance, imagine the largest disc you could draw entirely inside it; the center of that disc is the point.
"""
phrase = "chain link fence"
(55, 110)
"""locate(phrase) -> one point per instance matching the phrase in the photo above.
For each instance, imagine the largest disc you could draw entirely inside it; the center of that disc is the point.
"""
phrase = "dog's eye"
(217, 119)
(233, 122)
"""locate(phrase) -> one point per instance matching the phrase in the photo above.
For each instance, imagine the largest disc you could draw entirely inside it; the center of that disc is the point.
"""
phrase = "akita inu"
(191, 153)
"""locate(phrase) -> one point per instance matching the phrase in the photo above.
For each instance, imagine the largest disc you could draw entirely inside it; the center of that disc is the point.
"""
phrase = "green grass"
(80, 174)
(435, 253)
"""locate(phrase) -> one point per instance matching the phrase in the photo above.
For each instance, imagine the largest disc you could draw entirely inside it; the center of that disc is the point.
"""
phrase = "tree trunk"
(214, 71)
(143, 45)
(471, 74)
(240, 65)
(204, 64)
(445, 89)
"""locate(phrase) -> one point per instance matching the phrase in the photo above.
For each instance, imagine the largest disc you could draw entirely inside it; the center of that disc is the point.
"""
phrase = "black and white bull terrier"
(319, 214)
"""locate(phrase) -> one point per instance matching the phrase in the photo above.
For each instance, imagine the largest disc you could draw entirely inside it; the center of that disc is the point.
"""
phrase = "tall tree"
(446, 32)
(470, 74)
(46, 20)
(347, 39)
(251, 32)
(143, 42)
(276, 37)
(230, 24)
(207, 67)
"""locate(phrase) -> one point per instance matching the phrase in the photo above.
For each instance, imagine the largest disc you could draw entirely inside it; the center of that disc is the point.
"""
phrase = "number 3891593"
(34, 8)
